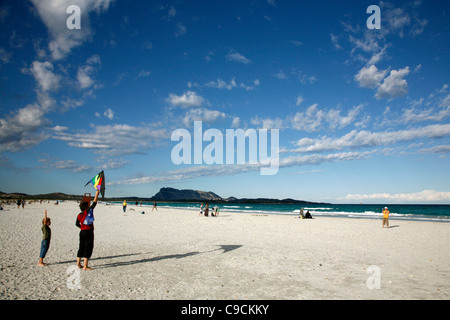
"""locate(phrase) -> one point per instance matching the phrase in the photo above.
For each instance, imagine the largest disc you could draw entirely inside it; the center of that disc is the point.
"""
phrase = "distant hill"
(187, 195)
(47, 196)
(164, 194)
(171, 194)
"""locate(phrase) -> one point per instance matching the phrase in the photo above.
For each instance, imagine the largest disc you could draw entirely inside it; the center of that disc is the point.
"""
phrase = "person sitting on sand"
(85, 221)
(302, 216)
(45, 243)
(308, 215)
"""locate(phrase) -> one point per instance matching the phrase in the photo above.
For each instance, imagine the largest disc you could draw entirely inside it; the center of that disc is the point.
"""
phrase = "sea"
(416, 212)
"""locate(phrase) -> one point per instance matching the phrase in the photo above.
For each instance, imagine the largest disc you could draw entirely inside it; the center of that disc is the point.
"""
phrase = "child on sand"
(85, 221)
(45, 243)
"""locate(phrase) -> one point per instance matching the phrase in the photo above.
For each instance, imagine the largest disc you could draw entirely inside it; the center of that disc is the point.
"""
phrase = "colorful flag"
(98, 182)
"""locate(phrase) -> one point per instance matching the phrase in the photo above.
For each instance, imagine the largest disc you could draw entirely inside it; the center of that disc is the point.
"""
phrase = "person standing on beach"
(206, 209)
(154, 206)
(45, 243)
(385, 217)
(124, 206)
(85, 221)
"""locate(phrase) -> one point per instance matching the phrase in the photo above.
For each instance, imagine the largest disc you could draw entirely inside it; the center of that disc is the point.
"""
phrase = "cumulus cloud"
(20, 132)
(45, 77)
(394, 85)
(53, 14)
(188, 99)
(370, 77)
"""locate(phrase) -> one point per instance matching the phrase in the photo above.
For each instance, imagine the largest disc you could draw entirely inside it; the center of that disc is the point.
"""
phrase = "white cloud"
(236, 122)
(425, 196)
(202, 114)
(237, 57)
(188, 99)
(193, 172)
(313, 119)
(280, 75)
(334, 41)
(54, 16)
(118, 139)
(85, 73)
(394, 85)
(68, 165)
(256, 83)
(20, 132)
(437, 149)
(220, 84)
(43, 73)
(267, 123)
(109, 114)
(181, 29)
(358, 139)
(370, 77)
(5, 56)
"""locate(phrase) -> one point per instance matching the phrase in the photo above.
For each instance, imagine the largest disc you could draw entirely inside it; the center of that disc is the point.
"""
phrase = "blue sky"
(363, 114)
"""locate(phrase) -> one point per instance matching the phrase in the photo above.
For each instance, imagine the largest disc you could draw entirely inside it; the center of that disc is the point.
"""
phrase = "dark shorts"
(86, 244)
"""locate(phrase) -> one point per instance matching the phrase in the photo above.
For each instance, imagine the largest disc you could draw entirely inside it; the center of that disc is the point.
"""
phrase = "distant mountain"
(187, 195)
(171, 194)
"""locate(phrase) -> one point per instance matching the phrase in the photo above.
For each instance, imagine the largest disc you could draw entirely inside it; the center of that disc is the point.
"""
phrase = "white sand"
(174, 254)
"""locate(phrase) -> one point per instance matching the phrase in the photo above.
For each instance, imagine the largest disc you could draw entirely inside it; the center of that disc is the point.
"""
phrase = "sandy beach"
(173, 254)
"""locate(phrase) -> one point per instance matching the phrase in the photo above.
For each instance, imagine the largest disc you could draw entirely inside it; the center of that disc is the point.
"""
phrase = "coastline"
(174, 254)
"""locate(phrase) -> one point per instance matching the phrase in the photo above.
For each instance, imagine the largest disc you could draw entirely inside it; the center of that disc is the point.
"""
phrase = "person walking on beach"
(154, 206)
(45, 243)
(124, 206)
(385, 217)
(85, 221)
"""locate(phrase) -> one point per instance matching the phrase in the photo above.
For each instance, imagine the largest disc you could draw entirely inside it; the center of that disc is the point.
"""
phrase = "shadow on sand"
(225, 248)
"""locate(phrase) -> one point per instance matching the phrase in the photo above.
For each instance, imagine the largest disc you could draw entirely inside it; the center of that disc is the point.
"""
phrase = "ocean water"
(440, 213)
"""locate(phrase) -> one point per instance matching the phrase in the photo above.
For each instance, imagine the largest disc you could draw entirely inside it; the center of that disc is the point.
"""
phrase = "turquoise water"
(397, 212)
